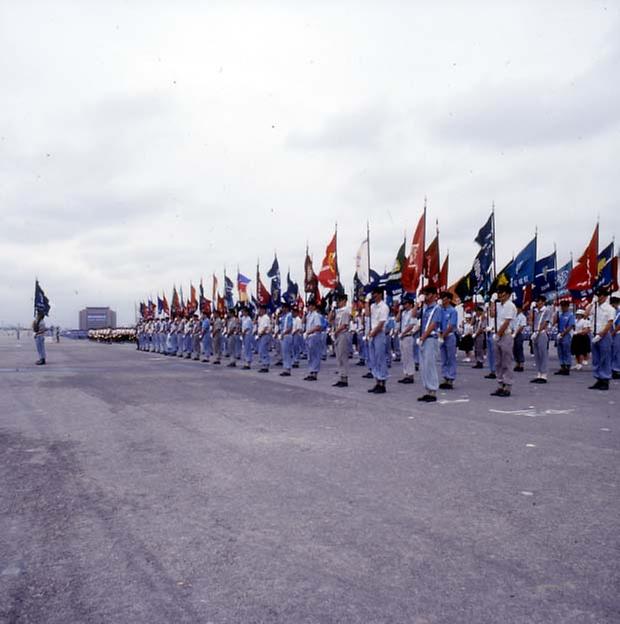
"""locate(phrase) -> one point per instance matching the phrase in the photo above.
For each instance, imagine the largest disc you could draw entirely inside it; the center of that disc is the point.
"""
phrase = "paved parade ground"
(140, 488)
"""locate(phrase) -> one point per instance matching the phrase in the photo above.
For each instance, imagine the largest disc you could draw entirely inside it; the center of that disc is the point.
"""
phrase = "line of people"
(424, 335)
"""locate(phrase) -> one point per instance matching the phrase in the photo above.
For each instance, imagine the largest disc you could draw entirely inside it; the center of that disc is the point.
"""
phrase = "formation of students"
(423, 335)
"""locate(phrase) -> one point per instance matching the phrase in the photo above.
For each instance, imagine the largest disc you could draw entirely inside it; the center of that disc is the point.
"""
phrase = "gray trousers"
(217, 345)
(342, 353)
(429, 352)
(504, 359)
(39, 342)
(406, 356)
(541, 352)
(479, 348)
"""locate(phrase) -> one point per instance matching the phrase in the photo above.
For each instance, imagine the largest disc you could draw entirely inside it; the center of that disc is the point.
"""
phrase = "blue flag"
(160, 305)
(524, 263)
(561, 279)
(484, 237)
(292, 290)
(274, 274)
(604, 278)
(41, 302)
(228, 292)
(545, 275)
(481, 270)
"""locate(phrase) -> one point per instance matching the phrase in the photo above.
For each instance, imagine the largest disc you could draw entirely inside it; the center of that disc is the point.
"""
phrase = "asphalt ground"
(141, 488)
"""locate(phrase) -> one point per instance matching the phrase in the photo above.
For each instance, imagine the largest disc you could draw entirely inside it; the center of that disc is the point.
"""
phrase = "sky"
(146, 144)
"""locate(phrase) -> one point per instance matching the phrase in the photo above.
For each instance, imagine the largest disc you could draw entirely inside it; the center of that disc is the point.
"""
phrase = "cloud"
(537, 113)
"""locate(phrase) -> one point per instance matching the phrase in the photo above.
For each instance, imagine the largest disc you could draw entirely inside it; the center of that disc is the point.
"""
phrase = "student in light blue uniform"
(565, 326)
(172, 336)
(604, 316)
(286, 320)
(264, 339)
(540, 338)
(429, 348)
(247, 337)
(615, 347)
(447, 341)
(314, 325)
(205, 337)
(377, 341)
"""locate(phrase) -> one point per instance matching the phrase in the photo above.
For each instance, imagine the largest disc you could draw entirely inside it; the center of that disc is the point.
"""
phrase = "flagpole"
(368, 254)
(336, 255)
(423, 245)
(438, 254)
(494, 259)
(555, 271)
(257, 277)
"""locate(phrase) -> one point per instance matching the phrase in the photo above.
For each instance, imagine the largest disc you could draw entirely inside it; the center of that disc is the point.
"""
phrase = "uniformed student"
(518, 327)
(601, 341)
(447, 341)
(234, 339)
(342, 320)
(379, 312)
(298, 338)
(286, 324)
(429, 347)
(247, 336)
(409, 325)
(216, 332)
(314, 327)
(503, 341)
(565, 321)
(480, 323)
(540, 338)
(615, 346)
(205, 337)
(196, 331)
(39, 329)
(264, 339)
(580, 344)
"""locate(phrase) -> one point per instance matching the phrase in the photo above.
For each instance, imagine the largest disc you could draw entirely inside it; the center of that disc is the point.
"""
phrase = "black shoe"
(368, 376)
(380, 389)
(478, 365)
(285, 374)
(518, 369)
(615, 375)
(491, 376)
(263, 370)
(295, 365)
(446, 385)
(599, 384)
(310, 377)
(40, 362)
(406, 380)
(538, 380)
(341, 384)
(245, 368)
(428, 398)
(232, 365)
(217, 362)
(417, 367)
(278, 364)
(361, 363)
(500, 392)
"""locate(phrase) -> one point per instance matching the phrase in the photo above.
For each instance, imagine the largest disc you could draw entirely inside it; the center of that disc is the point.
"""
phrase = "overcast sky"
(149, 143)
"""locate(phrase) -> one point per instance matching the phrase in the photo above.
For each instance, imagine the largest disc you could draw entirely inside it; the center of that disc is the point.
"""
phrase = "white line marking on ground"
(526, 493)
(446, 401)
(529, 445)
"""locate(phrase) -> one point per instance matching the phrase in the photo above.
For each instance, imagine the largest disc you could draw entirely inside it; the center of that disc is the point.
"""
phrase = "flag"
(393, 279)
(242, 286)
(192, 297)
(160, 305)
(164, 305)
(582, 278)
(221, 304)
(523, 268)
(561, 280)
(228, 292)
(483, 262)
(276, 289)
(41, 302)
(545, 275)
(484, 238)
(412, 269)
(214, 288)
(431, 263)
(464, 288)
(604, 276)
(328, 275)
(503, 278)
(176, 304)
(292, 290)
(310, 278)
(443, 274)
(262, 295)
(362, 268)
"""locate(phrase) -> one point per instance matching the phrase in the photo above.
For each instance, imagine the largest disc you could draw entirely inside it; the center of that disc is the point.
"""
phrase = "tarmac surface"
(140, 488)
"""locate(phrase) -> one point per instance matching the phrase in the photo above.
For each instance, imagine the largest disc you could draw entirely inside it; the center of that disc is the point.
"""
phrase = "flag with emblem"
(328, 275)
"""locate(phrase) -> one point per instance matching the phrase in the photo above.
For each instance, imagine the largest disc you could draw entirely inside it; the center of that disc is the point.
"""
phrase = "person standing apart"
(39, 329)
(503, 341)
(601, 341)
(540, 339)
(429, 349)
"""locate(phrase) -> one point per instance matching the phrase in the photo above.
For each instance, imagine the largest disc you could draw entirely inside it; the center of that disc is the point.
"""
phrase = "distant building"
(97, 318)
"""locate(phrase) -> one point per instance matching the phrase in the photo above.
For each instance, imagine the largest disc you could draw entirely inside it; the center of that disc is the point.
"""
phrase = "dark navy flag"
(274, 274)
(160, 305)
(604, 278)
(41, 302)
(524, 263)
(545, 275)
(393, 283)
(485, 234)
(503, 277)
(481, 270)
(228, 292)
(292, 290)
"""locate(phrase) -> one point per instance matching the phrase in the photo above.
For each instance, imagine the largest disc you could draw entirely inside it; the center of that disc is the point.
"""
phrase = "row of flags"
(415, 266)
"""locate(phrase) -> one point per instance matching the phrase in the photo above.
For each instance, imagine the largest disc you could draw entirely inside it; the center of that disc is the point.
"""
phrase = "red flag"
(328, 275)
(299, 303)
(310, 279)
(263, 295)
(192, 296)
(414, 264)
(431, 263)
(527, 296)
(176, 304)
(221, 304)
(206, 306)
(583, 275)
(443, 274)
